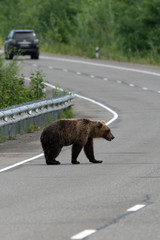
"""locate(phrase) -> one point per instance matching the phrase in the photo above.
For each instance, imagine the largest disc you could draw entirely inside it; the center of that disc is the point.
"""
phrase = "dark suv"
(22, 42)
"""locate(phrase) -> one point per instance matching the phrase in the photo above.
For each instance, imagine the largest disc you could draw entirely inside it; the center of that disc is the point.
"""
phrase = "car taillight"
(36, 41)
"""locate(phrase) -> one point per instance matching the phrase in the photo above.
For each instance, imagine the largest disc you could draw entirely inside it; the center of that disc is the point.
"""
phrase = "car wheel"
(9, 56)
(34, 56)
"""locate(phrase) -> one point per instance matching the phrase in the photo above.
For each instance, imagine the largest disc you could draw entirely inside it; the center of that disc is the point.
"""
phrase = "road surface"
(116, 200)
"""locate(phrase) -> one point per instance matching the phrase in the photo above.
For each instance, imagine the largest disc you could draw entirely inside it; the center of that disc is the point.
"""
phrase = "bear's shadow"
(62, 164)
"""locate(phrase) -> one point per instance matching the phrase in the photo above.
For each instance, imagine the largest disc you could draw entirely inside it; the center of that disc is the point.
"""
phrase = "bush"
(12, 88)
(37, 85)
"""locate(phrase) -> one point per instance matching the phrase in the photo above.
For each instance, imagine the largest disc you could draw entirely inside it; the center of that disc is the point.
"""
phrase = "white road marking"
(131, 85)
(136, 208)
(93, 64)
(50, 67)
(92, 76)
(101, 65)
(115, 116)
(105, 79)
(20, 163)
(35, 65)
(84, 234)
(65, 70)
(102, 105)
(119, 81)
(78, 73)
(145, 88)
(52, 86)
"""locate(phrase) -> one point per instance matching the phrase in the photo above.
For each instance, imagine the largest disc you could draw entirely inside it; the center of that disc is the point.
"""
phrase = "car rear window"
(24, 35)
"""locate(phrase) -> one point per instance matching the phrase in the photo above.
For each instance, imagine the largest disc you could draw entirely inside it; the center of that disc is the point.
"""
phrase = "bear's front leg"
(88, 149)
(76, 148)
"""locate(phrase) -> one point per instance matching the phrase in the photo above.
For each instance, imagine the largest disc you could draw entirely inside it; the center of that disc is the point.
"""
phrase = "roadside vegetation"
(13, 91)
(125, 30)
(12, 88)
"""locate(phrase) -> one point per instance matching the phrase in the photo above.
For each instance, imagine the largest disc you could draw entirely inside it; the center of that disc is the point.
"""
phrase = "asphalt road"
(116, 200)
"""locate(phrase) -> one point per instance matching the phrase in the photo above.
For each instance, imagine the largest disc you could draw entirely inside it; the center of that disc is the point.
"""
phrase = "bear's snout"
(112, 137)
(109, 137)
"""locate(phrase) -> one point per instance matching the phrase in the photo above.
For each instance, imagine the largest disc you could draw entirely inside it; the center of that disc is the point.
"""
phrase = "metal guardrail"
(16, 119)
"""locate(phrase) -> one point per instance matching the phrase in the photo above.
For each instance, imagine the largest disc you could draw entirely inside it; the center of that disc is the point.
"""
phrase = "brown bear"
(76, 132)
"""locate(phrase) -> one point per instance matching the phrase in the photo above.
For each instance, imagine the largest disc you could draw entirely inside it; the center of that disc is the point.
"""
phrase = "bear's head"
(105, 131)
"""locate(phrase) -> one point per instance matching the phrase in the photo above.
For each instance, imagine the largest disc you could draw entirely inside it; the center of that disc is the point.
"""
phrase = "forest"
(124, 30)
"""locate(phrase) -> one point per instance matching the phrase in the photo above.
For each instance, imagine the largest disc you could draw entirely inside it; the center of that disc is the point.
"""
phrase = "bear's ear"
(99, 124)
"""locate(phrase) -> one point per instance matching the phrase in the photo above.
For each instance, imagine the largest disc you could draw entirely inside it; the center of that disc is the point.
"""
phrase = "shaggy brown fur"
(76, 132)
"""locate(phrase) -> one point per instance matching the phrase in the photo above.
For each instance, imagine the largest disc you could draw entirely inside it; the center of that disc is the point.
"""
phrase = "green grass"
(68, 113)
(104, 54)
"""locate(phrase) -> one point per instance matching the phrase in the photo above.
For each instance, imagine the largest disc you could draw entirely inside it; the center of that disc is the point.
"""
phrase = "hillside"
(127, 30)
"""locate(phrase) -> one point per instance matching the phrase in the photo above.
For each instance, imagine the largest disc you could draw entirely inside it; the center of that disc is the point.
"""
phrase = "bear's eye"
(107, 131)
(100, 125)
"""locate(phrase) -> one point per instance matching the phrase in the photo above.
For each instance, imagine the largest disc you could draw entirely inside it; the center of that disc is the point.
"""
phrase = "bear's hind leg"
(88, 149)
(76, 148)
(50, 156)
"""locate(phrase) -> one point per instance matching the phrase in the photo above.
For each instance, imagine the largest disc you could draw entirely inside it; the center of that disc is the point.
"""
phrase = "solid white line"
(77, 95)
(84, 234)
(20, 163)
(52, 86)
(115, 115)
(136, 208)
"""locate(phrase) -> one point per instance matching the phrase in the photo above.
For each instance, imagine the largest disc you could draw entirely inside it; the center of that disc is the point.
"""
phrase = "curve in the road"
(102, 65)
(115, 116)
